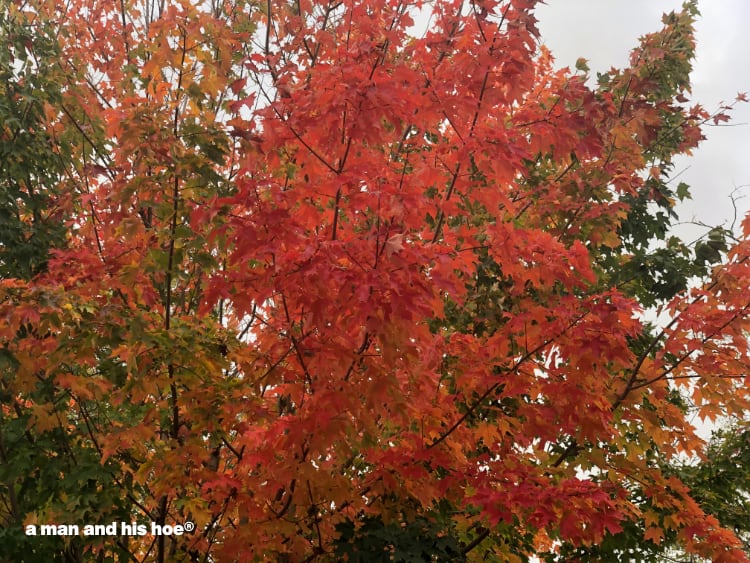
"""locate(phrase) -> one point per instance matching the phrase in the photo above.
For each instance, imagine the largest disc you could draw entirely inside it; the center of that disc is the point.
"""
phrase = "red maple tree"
(320, 270)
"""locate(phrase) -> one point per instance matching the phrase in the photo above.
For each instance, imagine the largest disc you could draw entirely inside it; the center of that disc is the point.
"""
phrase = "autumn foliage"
(324, 272)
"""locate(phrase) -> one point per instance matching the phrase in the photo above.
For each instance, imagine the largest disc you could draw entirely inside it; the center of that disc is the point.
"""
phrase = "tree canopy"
(327, 288)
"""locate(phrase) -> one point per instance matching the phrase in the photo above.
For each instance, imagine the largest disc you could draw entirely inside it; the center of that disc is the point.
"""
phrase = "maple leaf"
(394, 244)
(321, 285)
(654, 534)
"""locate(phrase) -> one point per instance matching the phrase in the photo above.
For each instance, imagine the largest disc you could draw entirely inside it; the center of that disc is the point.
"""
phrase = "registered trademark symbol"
(188, 526)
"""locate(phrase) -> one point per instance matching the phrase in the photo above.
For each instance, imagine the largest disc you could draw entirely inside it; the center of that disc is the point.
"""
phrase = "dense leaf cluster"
(332, 291)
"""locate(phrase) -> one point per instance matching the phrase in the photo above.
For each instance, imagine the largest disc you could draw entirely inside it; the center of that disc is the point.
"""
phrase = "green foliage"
(721, 482)
(226, 293)
(29, 168)
(416, 541)
(52, 469)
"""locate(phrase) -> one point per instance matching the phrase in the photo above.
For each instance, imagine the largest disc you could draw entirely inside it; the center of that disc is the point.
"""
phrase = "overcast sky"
(604, 31)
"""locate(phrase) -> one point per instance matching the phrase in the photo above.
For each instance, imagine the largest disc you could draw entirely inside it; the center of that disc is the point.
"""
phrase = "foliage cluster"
(333, 291)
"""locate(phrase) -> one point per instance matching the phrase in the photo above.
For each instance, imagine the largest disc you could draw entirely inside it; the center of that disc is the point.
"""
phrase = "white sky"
(604, 31)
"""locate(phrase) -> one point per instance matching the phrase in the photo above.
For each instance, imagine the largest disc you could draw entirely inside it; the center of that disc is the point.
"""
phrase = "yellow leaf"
(42, 420)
